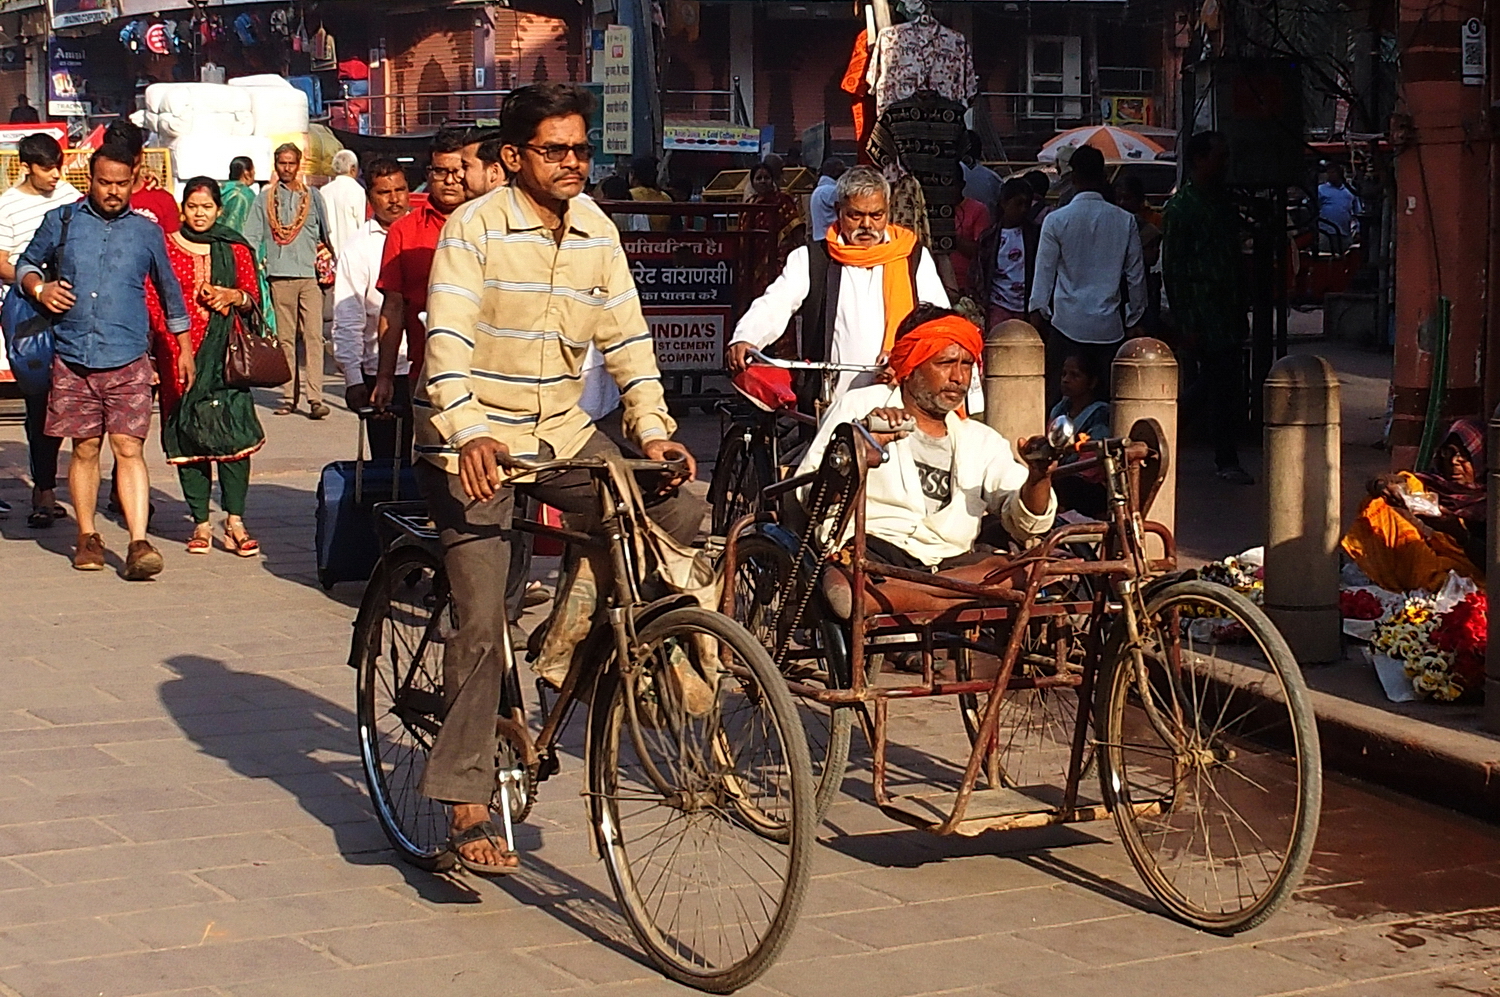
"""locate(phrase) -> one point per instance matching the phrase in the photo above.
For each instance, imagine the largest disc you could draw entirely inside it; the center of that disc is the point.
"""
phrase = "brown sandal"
(244, 545)
(285, 410)
(200, 544)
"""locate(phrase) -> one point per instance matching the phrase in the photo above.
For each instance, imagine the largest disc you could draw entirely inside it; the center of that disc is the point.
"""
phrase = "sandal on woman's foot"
(285, 410)
(483, 831)
(201, 543)
(244, 545)
(41, 519)
(318, 411)
(59, 512)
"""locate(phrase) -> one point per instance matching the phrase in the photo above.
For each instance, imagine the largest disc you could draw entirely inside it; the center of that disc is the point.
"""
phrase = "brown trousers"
(299, 317)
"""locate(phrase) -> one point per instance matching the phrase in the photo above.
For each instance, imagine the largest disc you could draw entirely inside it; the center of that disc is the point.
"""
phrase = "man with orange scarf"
(924, 505)
(852, 287)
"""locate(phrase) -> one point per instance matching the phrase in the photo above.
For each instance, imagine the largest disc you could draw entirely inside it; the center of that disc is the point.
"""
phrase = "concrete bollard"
(1143, 385)
(1015, 381)
(1302, 475)
(1491, 719)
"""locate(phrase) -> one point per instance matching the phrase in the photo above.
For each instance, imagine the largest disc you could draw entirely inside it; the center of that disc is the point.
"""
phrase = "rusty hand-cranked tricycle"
(1085, 651)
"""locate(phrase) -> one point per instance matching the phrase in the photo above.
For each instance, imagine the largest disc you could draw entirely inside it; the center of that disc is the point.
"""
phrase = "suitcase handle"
(359, 460)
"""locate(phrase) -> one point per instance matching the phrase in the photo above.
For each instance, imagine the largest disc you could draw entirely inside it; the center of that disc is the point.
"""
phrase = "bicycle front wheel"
(1209, 757)
(742, 470)
(701, 798)
(398, 647)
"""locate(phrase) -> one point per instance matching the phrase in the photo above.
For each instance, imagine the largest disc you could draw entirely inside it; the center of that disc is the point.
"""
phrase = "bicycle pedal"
(547, 766)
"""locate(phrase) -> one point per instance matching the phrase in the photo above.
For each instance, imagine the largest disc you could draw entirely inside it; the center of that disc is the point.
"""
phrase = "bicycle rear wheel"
(398, 643)
(742, 470)
(1217, 796)
(702, 799)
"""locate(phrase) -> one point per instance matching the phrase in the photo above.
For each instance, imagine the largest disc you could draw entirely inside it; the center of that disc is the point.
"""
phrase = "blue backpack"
(29, 344)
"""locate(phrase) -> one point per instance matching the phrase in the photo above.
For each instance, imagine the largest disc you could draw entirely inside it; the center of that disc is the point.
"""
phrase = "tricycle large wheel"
(398, 651)
(701, 799)
(1209, 756)
(763, 588)
(742, 471)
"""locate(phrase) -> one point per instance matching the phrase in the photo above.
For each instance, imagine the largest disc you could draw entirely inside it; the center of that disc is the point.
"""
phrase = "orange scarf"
(896, 288)
(931, 338)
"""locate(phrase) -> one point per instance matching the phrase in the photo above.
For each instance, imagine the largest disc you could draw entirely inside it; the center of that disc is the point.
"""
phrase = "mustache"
(864, 231)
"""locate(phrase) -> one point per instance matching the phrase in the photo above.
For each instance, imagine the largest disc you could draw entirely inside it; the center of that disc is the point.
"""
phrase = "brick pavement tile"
(112, 896)
(449, 933)
(1127, 937)
(299, 876)
(190, 855)
(151, 972)
(218, 819)
(74, 735)
(468, 975)
(944, 879)
(58, 940)
(142, 709)
(921, 969)
(13, 720)
(229, 921)
(843, 894)
(110, 779)
(57, 760)
(333, 782)
(58, 692)
(1368, 951)
(15, 877)
(809, 941)
(1480, 980)
(43, 806)
(364, 839)
(54, 836)
(969, 916)
(1231, 972)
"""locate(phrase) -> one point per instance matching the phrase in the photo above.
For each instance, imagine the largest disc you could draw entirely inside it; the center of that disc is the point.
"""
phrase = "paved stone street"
(181, 811)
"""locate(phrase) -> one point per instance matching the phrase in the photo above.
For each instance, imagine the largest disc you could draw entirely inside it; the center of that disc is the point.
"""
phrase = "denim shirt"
(108, 261)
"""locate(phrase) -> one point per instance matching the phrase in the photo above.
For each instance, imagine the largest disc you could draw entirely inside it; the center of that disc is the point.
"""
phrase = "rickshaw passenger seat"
(897, 595)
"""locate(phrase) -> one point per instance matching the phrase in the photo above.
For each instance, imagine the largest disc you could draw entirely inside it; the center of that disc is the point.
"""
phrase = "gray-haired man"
(841, 287)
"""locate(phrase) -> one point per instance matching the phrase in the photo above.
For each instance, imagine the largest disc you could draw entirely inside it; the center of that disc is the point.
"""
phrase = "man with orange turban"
(923, 506)
(852, 286)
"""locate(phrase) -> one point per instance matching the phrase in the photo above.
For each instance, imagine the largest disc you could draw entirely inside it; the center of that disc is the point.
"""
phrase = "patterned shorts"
(85, 403)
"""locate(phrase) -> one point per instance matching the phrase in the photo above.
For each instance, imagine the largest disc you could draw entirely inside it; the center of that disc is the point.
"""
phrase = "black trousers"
(41, 448)
(382, 432)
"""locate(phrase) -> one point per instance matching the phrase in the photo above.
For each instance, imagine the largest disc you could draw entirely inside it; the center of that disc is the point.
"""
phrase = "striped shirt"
(21, 215)
(511, 314)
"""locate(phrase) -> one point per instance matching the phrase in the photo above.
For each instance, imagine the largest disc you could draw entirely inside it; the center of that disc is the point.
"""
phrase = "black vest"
(820, 307)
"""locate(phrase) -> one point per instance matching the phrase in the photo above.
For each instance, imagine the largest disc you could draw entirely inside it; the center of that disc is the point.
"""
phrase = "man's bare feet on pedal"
(477, 844)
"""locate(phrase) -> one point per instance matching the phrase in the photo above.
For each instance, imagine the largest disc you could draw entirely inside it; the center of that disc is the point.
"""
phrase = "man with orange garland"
(924, 504)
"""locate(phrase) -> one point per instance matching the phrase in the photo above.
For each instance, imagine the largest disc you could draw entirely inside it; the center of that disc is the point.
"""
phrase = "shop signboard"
(66, 63)
(686, 282)
(619, 84)
(693, 137)
(76, 13)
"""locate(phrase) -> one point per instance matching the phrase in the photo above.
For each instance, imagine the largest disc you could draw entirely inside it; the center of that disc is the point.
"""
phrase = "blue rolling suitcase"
(347, 543)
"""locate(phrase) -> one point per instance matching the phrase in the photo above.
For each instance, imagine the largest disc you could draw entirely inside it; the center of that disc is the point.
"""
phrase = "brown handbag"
(252, 358)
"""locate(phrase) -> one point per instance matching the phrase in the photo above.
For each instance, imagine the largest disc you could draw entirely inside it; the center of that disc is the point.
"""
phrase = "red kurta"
(192, 273)
(404, 268)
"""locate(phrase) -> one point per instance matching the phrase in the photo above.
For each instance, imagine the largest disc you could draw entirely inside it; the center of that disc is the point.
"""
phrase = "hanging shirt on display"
(924, 135)
(921, 55)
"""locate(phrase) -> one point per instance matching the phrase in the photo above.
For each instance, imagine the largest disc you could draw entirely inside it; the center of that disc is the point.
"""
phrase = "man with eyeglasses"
(524, 281)
(408, 260)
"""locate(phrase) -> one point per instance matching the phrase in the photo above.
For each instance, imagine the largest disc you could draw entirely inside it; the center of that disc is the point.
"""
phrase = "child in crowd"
(1084, 402)
(1006, 258)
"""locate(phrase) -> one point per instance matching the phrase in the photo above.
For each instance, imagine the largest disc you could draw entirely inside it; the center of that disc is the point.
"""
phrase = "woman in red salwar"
(206, 421)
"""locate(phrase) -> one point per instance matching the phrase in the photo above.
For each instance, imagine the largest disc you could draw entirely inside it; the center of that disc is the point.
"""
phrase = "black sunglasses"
(557, 153)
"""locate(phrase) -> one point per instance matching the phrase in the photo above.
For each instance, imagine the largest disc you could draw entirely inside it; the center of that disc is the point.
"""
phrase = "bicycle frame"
(1124, 566)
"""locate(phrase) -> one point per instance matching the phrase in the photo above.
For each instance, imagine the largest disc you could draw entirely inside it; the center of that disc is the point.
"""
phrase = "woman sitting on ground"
(1084, 404)
(1415, 528)
(208, 422)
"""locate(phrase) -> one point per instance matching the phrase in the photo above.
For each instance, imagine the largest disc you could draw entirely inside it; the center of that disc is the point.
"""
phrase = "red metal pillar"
(1442, 137)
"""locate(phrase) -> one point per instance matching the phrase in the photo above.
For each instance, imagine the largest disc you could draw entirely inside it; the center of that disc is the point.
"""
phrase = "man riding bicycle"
(523, 283)
(924, 505)
(851, 287)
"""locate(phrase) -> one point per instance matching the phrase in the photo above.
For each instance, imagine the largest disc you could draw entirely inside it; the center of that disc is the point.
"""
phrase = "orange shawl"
(896, 288)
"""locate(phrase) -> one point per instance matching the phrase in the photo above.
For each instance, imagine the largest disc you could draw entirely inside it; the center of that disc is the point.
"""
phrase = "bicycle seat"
(767, 388)
(886, 596)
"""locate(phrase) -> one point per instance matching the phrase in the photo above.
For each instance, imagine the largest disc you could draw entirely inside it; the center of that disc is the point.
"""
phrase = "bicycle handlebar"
(759, 357)
(668, 468)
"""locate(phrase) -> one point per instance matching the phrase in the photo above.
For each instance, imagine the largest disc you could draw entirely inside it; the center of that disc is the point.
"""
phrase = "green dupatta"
(214, 421)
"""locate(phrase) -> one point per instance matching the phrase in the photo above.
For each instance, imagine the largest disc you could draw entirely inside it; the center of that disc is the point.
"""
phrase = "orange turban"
(931, 338)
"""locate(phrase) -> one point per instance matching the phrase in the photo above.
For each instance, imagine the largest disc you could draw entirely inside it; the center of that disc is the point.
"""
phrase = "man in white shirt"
(1086, 248)
(925, 503)
(1337, 208)
(21, 211)
(841, 287)
(344, 200)
(822, 204)
(356, 308)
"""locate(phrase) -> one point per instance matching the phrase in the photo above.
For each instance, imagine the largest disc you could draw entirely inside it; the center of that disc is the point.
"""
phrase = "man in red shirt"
(148, 197)
(408, 260)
